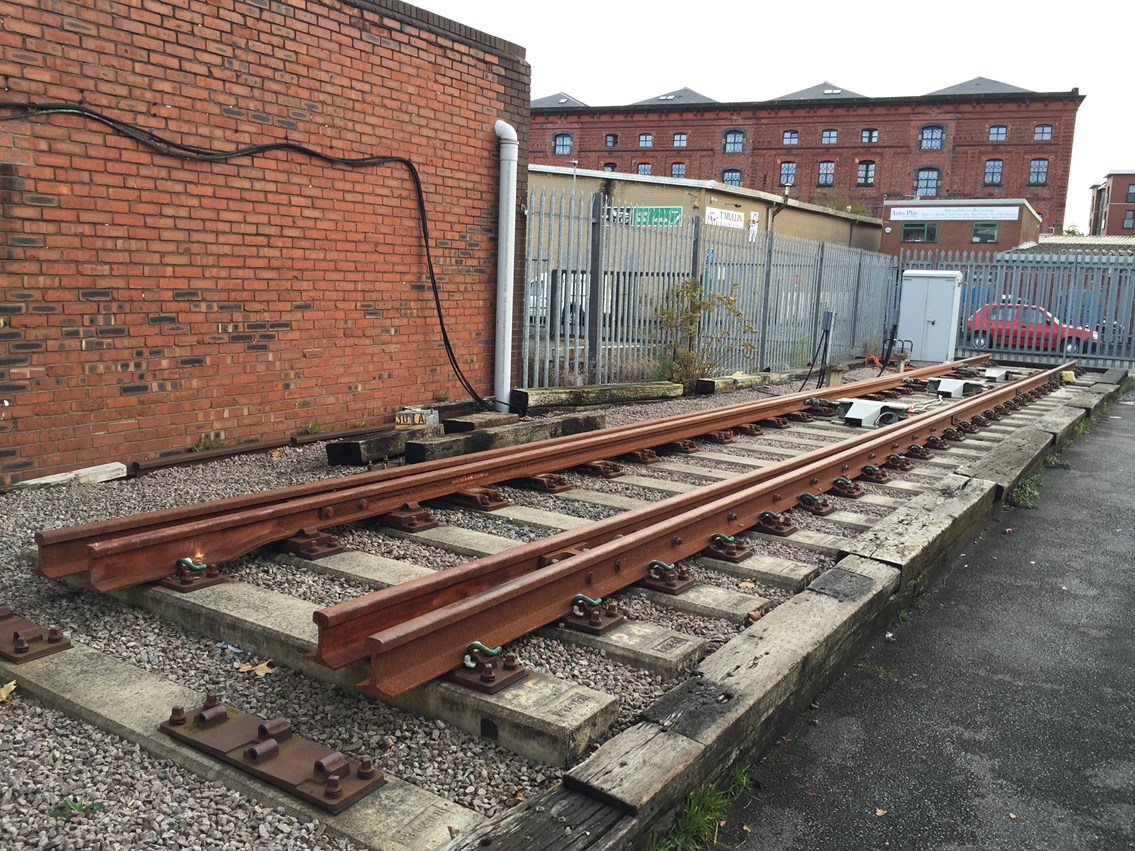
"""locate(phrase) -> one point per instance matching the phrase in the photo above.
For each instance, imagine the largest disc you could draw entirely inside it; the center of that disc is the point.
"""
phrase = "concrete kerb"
(696, 733)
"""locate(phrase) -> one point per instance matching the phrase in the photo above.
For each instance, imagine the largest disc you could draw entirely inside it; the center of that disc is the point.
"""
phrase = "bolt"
(511, 663)
(612, 609)
(212, 700)
(177, 716)
(20, 644)
(488, 673)
(366, 769)
(54, 635)
(595, 617)
(212, 571)
(676, 541)
(731, 516)
(332, 789)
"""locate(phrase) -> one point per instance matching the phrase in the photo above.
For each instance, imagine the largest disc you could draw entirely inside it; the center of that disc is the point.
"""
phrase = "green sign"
(642, 217)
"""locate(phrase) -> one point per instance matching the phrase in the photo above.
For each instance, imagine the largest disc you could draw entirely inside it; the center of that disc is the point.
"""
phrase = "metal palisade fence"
(615, 293)
(1042, 307)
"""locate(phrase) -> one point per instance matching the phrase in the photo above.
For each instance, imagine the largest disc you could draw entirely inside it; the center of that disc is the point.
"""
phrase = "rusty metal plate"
(22, 640)
(310, 544)
(268, 750)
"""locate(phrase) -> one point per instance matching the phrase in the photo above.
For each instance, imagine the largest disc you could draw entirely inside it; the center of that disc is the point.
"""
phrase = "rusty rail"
(141, 548)
(420, 629)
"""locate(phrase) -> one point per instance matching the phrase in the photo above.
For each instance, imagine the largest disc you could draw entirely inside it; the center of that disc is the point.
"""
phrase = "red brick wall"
(896, 155)
(148, 301)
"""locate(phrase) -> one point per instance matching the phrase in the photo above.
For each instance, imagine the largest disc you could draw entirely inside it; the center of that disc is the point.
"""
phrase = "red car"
(1026, 326)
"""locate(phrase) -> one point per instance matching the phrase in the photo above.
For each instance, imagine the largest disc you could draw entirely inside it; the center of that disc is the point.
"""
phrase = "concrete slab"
(464, 542)
(708, 601)
(130, 702)
(553, 521)
(639, 644)
(86, 476)
(553, 719)
(740, 460)
(1016, 458)
(693, 470)
(819, 542)
(664, 485)
(850, 520)
(607, 500)
(375, 571)
(767, 570)
(480, 419)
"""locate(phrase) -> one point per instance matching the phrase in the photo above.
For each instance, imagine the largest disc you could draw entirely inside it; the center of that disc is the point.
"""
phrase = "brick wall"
(896, 153)
(149, 301)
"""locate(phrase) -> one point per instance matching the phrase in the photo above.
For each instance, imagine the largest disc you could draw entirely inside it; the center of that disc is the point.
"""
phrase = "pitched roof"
(824, 91)
(558, 99)
(981, 86)
(676, 97)
(1078, 245)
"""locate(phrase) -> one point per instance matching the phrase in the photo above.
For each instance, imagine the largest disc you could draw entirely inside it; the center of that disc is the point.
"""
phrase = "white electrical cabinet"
(929, 303)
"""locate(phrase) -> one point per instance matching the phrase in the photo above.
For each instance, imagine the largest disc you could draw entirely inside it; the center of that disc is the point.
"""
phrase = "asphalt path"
(1001, 715)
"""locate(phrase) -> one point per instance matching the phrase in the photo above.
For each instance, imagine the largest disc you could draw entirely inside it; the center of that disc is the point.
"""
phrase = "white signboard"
(954, 214)
(724, 218)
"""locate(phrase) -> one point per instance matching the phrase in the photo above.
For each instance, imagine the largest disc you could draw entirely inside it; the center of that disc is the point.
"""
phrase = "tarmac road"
(1002, 716)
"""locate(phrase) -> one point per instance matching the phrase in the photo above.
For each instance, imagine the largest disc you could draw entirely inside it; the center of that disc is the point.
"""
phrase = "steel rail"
(420, 628)
(127, 551)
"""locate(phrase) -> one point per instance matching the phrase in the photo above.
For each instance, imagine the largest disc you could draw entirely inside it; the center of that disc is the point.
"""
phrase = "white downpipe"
(506, 262)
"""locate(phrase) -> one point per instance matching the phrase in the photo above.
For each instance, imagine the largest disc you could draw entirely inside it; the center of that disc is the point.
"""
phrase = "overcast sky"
(619, 51)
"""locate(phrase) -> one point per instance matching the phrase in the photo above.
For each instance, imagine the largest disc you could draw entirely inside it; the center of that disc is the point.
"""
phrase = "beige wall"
(797, 219)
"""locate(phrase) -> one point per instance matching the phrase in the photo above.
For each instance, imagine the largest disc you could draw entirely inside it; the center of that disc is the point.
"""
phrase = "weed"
(315, 428)
(1053, 461)
(360, 423)
(741, 782)
(71, 807)
(877, 671)
(697, 822)
(903, 616)
(208, 442)
(442, 396)
(702, 814)
(693, 350)
(1025, 494)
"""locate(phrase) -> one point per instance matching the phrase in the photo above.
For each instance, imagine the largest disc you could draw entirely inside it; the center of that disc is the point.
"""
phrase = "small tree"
(692, 351)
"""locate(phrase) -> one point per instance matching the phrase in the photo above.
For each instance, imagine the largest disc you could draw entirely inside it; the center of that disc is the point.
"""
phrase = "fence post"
(696, 259)
(766, 301)
(595, 288)
(855, 301)
(819, 290)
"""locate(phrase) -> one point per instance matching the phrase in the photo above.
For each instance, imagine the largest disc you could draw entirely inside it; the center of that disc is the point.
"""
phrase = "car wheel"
(979, 341)
(1072, 346)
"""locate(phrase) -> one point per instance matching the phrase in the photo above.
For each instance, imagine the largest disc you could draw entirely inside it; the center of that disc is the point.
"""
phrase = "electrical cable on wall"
(191, 152)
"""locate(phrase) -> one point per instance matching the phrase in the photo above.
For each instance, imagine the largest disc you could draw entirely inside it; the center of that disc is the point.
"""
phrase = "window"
(826, 176)
(731, 177)
(791, 137)
(646, 140)
(1042, 133)
(931, 138)
(733, 142)
(644, 168)
(920, 232)
(998, 133)
(609, 166)
(926, 182)
(1129, 219)
(868, 135)
(993, 169)
(679, 140)
(677, 170)
(611, 140)
(787, 174)
(563, 143)
(829, 137)
(985, 231)
(1038, 172)
(866, 175)
(1130, 193)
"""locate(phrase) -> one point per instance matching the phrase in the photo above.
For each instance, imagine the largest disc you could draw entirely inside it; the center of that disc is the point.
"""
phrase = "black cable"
(191, 152)
(815, 355)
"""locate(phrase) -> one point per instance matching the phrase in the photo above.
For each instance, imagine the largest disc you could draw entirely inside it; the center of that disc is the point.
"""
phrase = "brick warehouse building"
(149, 301)
(1113, 205)
(980, 139)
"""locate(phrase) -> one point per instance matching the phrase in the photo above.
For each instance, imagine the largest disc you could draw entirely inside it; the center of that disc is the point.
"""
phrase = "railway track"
(419, 629)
